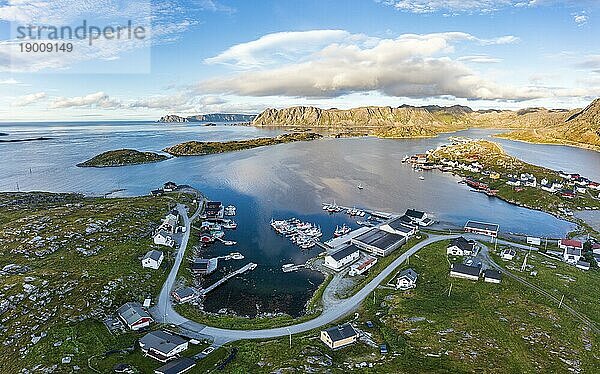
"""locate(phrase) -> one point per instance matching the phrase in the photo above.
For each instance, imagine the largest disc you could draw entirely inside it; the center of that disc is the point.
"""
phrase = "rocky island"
(122, 157)
(195, 148)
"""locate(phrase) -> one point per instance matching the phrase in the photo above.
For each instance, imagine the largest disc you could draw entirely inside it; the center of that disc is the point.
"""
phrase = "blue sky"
(244, 56)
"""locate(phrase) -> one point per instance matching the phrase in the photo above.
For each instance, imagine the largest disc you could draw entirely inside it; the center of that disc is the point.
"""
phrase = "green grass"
(503, 328)
(71, 288)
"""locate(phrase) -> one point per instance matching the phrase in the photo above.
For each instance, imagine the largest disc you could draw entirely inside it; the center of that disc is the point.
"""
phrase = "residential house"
(406, 279)
(458, 270)
(162, 346)
(571, 250)
(169, 187)
(342, 258)
(185, 294)
(492, 276)
(153, 259)
(134, 316)
(569, 194)
(162, 237)
(489, 229)
(494, 175)
(214, 210)
(418, 217)
(508, 254)
(461, 247)
(513, 182)
(179, 366)
(339, 336)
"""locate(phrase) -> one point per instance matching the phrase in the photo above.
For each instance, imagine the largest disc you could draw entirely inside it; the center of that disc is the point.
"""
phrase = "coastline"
(558, 142)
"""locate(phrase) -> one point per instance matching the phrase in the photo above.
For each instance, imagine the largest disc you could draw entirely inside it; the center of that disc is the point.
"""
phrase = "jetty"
(249, 266)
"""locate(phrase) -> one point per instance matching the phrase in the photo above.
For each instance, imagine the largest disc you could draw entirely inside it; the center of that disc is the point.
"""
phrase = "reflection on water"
(278, 181)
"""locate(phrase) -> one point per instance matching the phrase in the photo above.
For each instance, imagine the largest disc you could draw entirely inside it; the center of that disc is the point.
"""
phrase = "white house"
(461, 247)
(513, 182)
(407, 279)
(508, 254)
(164, 238)
(418, 217)
(162, 346)
(170, 223)
(492, 276)
(342, 258)
(153, 259)
(571, 250)
(458, 270)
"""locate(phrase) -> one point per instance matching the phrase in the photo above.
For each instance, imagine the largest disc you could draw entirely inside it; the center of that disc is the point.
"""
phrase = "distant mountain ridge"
(213, 117)
(578, 127)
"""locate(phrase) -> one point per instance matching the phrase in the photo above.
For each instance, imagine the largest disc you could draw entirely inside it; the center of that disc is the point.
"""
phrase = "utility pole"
(561, 301)
(450, 290)
(373, 297)
(546, 247)
(290, 333)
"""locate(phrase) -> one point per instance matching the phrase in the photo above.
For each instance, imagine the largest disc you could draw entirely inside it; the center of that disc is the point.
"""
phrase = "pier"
(249, 266)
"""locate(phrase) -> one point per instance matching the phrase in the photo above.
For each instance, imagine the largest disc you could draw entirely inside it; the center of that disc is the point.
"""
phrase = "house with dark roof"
(399, 227)
(339, 336)
(492, 276)
(461, 247)
(185, 294)
(176, 367)
(169, 186)
(342, 258)
(152, 259)
(162, 346)
(379, 242)
(463, 271)
(418, 217)
(489, 229)
(203, 266)
(214, 210)
(163, 237)
(134, 316)
(406, 279)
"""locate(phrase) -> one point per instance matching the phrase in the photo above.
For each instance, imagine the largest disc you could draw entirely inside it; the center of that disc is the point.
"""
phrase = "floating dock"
(249, 266)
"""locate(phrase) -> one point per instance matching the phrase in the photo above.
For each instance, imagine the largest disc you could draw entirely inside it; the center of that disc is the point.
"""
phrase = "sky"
(240, 56)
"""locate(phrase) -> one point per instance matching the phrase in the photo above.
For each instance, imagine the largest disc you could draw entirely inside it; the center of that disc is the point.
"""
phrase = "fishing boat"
(236, 256)
(343, 230)
(229, 210)
(287, 268)
(253, 266)
(421, 177)
(360, 187)
(229, 224)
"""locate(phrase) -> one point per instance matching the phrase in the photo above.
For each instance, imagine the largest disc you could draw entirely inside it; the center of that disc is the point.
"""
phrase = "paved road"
(164, 311)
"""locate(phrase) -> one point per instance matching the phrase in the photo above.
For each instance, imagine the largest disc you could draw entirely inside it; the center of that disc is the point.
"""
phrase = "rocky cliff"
(213, 117)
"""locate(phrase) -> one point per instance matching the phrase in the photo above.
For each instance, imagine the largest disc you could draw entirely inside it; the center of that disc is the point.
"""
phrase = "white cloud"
(580, 18)
(480, 59)
(29, 99)
(452, 7)
(9, 81)
(94, 100)
(410, 65)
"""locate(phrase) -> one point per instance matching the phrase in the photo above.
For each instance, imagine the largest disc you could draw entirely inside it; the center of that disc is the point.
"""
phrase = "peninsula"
(213, 117)
(195, 148)
(122, 157)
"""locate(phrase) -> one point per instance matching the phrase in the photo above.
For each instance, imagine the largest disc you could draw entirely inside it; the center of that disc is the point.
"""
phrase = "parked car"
(369, 324)
(208, 350)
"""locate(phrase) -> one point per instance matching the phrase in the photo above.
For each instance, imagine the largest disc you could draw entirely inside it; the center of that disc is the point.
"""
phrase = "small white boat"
(360, 187)
(230, 242)
(253, 266)
(236, 256)
(229, 210)
(422, 177)
(229, 224)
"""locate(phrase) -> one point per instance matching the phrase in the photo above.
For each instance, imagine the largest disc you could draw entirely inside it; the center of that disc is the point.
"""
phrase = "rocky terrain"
(213, 117)
(571, 127)
(122, 157)
(195, 148)
(579, 128)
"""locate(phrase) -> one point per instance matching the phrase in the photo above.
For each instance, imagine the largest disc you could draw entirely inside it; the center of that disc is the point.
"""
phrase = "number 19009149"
(37, 47)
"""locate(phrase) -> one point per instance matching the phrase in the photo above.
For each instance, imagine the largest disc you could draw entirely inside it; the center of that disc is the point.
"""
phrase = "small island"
(122, 157)
(3, 134)
(195, 148)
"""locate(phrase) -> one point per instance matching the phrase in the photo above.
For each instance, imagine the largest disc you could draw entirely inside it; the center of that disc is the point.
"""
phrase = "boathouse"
(489, 229)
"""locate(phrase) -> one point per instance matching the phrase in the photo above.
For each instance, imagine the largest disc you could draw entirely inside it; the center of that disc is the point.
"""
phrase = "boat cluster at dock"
(334, 208)
(303, 234)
